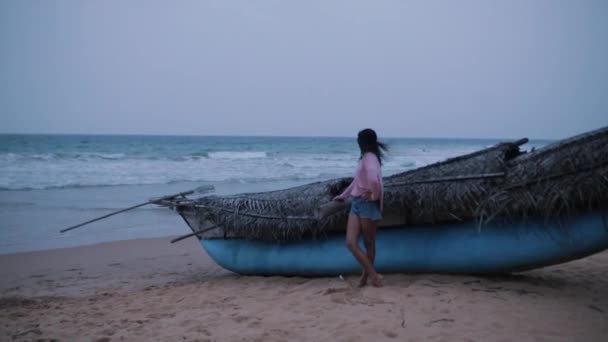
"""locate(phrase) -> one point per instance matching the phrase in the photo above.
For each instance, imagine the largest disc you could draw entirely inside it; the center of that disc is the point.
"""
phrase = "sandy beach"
(150, 290)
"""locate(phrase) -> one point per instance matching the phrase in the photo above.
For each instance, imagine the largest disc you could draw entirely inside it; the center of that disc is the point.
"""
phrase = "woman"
(367, 192)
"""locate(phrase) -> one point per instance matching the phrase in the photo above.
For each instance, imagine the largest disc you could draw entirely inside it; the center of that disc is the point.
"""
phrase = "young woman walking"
(367, 192)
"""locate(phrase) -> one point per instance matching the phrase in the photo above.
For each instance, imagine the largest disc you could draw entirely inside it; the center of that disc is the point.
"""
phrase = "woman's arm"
(346, 192)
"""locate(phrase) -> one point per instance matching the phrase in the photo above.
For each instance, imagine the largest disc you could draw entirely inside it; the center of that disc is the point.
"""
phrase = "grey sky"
(495, 69)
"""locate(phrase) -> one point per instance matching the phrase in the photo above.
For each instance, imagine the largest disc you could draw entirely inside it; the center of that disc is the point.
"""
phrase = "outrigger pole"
(180, 238)
(152, 201)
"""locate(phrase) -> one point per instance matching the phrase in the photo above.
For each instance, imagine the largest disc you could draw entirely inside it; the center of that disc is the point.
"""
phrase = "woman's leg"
(353, 228)
(369, 238)
(368, 227)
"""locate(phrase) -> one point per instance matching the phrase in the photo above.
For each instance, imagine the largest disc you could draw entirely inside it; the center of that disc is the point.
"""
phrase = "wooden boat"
(493, 211)
(445, 248)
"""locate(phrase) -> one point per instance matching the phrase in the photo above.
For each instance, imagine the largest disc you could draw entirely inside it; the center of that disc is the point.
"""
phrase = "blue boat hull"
(448, 248)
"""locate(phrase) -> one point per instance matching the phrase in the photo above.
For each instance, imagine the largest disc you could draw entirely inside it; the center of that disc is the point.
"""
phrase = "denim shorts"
(366, 209)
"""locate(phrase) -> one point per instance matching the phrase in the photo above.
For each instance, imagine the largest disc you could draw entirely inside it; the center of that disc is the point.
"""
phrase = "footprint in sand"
(108, 332)
(335, 290)
(161, 315)
(133, 311)
(200, 329)
(241, 319)
(440, 320)
(390, 334)
(228, 299)
(254, 324)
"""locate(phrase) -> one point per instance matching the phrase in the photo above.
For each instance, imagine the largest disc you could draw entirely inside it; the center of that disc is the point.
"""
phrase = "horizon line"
(275, 136)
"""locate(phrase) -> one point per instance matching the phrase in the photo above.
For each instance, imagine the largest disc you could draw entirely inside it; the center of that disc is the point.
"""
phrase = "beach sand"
(150, 290)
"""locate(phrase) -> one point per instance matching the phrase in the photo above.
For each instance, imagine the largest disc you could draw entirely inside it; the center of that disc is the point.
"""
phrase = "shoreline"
(117, 265)
(87, 245)
(149, 289)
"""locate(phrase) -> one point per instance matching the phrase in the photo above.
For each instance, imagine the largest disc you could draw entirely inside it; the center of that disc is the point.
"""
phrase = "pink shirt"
(368, 178)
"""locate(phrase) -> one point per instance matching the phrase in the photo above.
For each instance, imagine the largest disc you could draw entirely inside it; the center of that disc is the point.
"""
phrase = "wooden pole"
(185, 193)
(450, 179)
(520, 142)
(194, 233)
(333, 207)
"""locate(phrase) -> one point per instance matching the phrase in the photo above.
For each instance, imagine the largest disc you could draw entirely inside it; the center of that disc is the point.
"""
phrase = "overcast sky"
(496, 69)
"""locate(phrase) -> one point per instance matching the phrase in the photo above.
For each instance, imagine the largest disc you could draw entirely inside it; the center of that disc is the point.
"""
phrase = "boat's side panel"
(452, 248)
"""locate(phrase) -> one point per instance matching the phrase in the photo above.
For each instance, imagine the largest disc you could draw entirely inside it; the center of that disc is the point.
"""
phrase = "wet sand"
(150, 290)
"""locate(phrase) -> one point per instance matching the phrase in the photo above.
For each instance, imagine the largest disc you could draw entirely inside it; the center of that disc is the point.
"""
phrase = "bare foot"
(363, 280)
(377, 280)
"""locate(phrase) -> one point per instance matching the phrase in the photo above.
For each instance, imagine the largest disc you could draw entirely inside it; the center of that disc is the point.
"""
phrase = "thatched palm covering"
(277, 215)
(288, 214)
(417, 197)
(562, 178)
(559, 180)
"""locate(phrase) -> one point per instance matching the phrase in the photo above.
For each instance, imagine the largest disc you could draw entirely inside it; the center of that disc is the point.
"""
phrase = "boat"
(497, 210)
(446, 248)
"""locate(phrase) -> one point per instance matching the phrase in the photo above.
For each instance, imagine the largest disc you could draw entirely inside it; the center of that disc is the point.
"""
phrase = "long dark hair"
(368, 142)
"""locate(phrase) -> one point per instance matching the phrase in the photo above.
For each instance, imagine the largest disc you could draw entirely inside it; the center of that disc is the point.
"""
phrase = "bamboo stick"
(194, 233)
(450, 179)
(184, 194)
(333, 207)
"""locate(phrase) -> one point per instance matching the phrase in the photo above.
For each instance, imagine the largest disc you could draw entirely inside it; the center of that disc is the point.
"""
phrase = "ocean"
(49, 182)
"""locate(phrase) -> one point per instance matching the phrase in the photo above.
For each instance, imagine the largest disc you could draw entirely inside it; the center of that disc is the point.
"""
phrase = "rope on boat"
(272, 217)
